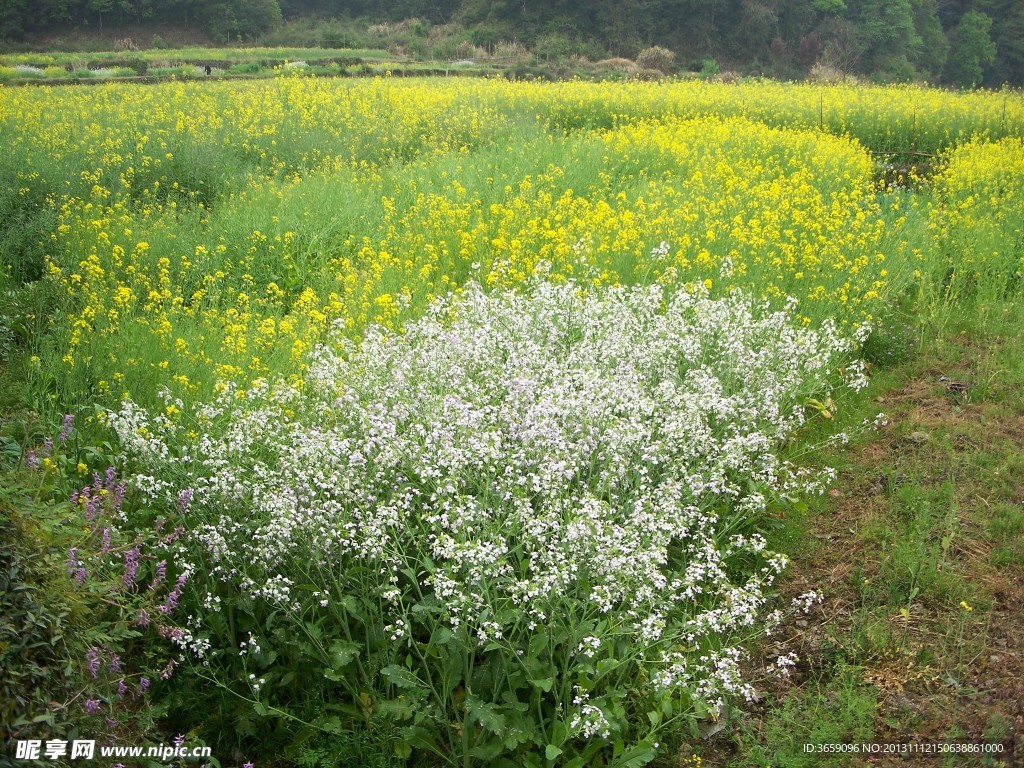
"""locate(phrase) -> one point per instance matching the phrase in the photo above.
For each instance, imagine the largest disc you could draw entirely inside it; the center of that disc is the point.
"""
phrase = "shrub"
(527, 521)
(709, 67)
(656, 57)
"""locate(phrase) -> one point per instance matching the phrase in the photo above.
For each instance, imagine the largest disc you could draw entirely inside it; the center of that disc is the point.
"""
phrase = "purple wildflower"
(174, 596)
(248, 765)
(173, 535)
(143, 686)
(169, 669)
(92, 504)
(143, 620)
(105, 543)
(32, 459)
(69, 422)
(92, 658)
(122, 688)
(48, 446)
(178, 740)
(119, 491)
(72, 560)
(184, 500)
(115, 663)
(131, 566)
(80, 576)
(92, 706)
(159, 574)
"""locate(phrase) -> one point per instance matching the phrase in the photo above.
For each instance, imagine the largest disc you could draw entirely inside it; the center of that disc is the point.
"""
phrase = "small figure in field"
(208, 70)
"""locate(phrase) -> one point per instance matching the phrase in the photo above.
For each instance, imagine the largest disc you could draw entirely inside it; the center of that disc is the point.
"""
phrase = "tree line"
(957, 42)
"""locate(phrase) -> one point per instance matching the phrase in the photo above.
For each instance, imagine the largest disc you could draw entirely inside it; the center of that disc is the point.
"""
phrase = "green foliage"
(1008, 34)
(934, 49)
(973, 50)
(839, 710)
(70, 599)
(878, 38)
(709, 68)
(31, 629)
(829, 6)
(887, 34)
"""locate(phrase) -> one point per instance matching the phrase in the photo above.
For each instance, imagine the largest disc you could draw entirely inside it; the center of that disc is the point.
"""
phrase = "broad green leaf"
(401, 677)
(545, 683)
(488, 715)
(636, 756)
(403, 750)
(342, 653)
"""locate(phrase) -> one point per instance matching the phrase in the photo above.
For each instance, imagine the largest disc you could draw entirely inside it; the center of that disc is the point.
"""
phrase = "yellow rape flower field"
(473, 408)
(209, 231)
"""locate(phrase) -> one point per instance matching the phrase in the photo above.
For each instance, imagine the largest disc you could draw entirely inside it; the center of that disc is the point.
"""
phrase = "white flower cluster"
(516, 449)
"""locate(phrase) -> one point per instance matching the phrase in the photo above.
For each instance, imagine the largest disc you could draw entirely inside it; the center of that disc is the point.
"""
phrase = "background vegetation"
(959, 42)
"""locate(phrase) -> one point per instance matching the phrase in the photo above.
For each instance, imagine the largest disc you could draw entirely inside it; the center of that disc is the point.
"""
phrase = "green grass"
(920, 547)
(838, 711)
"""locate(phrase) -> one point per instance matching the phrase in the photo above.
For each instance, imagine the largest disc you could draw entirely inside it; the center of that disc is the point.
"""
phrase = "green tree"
(12, 19)
(136, 9)
(973, 50)
(1008, 35)
(100, 7)
(755, 24)
(934, 49)
(887, 35)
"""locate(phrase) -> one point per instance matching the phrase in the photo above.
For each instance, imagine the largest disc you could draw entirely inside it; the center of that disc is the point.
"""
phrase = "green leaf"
(559, 733)
(401, 677)
(487, 751)
(421, 737)
(551, 751)
(538, 643)
(330, 724)
(488, 715)
(639, 755)
(441, 636)
(545, 683)
(403, 750)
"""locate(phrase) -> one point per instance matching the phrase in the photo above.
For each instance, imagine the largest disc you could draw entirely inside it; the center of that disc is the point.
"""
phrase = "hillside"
(962, 43)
